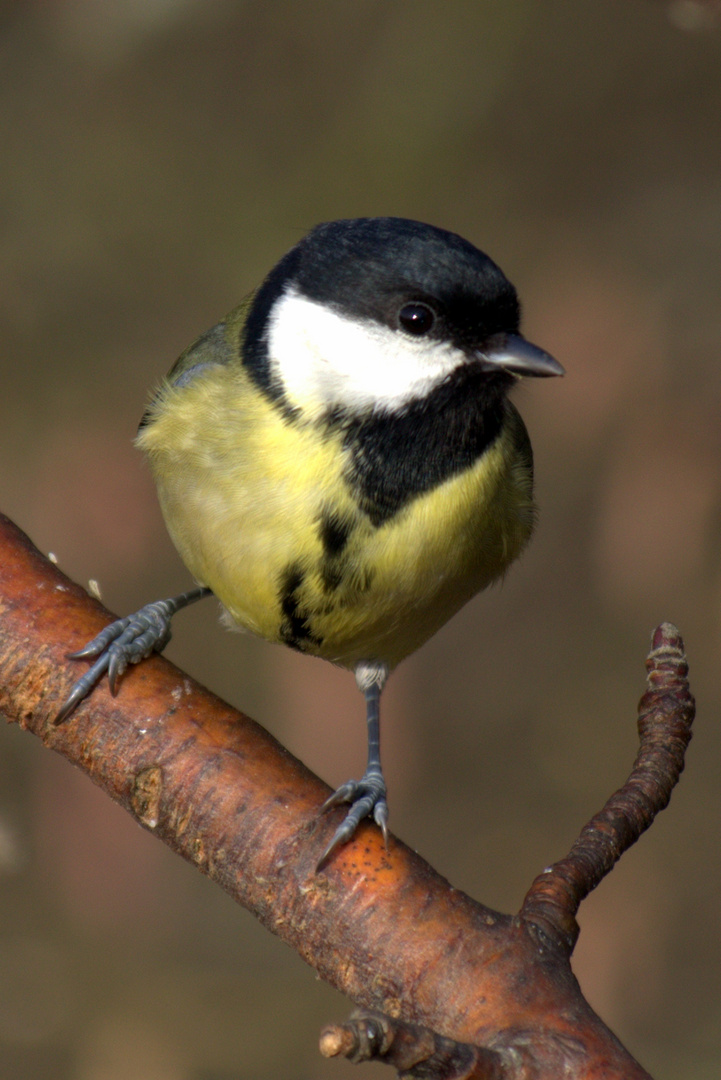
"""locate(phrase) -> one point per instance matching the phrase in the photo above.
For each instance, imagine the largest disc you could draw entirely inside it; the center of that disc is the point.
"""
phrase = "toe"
(347, 792)
(345, 830)
(368, 798)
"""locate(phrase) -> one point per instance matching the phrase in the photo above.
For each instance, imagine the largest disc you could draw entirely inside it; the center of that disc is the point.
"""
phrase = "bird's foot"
(126, 641)
(367, 797)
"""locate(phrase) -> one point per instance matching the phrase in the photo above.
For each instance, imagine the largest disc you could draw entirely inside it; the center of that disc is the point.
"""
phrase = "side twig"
(414, 1051)
(666, 712)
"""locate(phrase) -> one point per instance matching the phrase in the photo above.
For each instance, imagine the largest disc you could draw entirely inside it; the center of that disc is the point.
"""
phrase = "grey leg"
(368, 795)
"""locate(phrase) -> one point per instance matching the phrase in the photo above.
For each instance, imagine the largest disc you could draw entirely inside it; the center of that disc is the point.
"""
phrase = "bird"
(338, 461)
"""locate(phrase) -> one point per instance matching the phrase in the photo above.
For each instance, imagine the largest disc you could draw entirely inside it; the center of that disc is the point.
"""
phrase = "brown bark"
(381, 926)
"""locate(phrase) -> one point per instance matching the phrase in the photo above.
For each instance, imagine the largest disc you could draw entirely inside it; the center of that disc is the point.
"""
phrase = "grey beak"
(513, 353)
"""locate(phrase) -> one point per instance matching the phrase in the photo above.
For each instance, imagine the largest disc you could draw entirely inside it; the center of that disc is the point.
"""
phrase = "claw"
(341, 836)
(380, 816)
(368, 798)
(118, 662)
(345, 793)
(79, 691)
(126, 641)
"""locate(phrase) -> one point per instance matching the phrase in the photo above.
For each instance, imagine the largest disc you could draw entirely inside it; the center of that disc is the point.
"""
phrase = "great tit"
(337, 461)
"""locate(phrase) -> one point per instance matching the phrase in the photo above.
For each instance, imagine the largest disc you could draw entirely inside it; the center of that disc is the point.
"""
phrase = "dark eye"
(416, 319)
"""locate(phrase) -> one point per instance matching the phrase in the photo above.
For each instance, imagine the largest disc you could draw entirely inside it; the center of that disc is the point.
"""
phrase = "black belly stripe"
(331, 574)
(295, 629)
(334, 533)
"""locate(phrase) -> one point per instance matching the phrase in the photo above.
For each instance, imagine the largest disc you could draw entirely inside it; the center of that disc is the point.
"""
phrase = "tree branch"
(382, 927)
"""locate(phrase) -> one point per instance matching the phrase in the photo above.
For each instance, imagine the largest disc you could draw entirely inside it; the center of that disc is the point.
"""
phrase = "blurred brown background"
(157, 157)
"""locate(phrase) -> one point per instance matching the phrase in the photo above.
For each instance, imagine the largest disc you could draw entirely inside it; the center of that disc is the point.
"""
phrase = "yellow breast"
(259, 510)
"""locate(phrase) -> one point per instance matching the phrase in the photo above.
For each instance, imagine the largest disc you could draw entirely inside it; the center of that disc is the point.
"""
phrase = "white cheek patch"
(324, 358)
